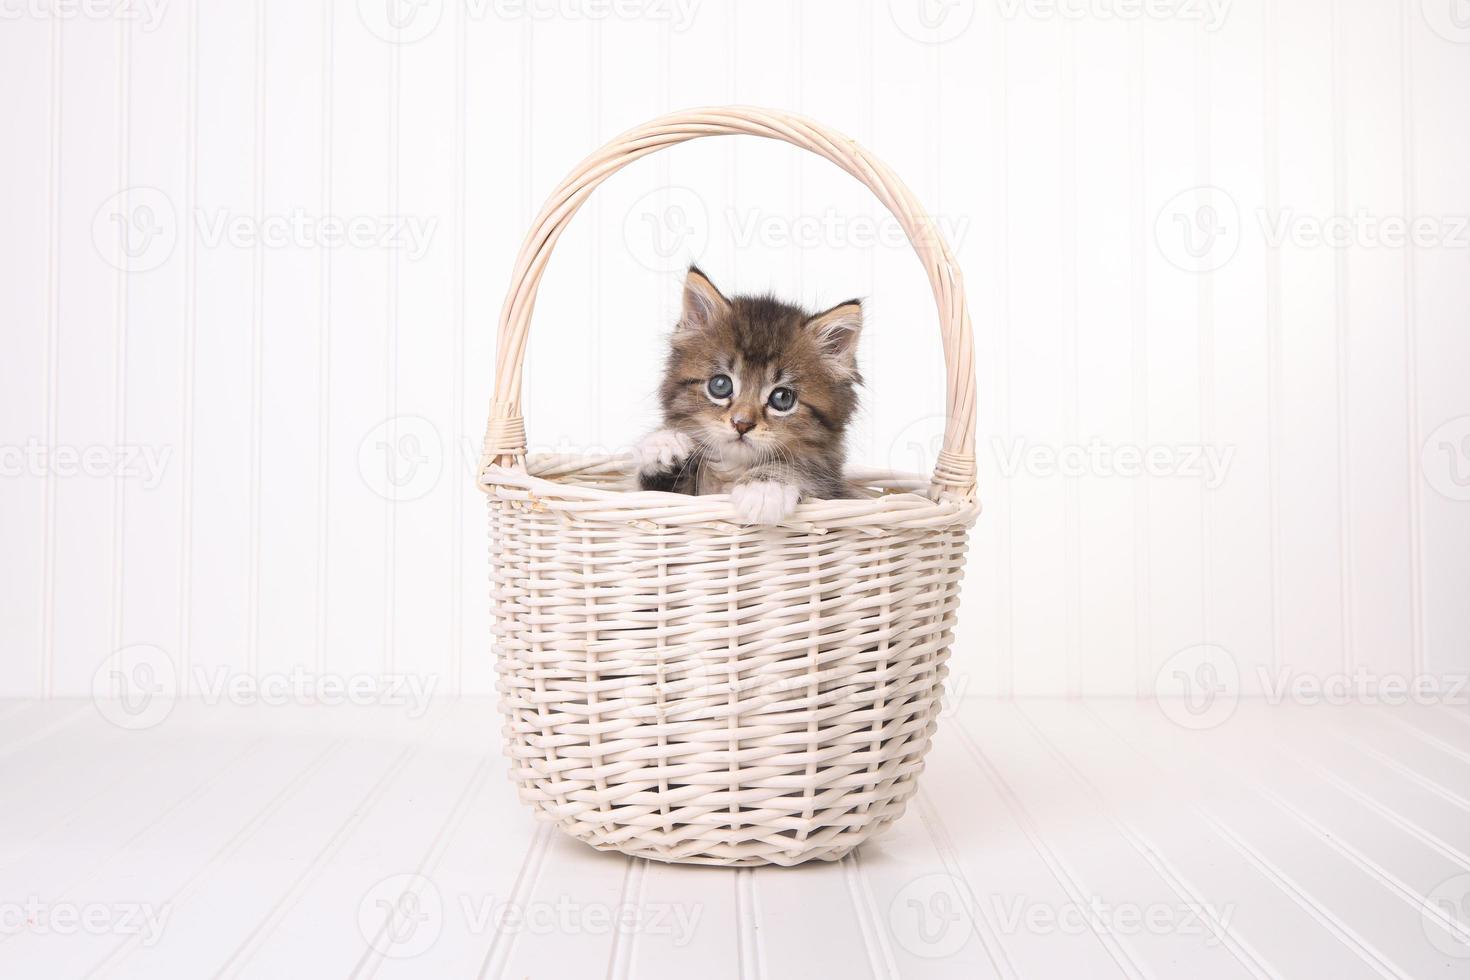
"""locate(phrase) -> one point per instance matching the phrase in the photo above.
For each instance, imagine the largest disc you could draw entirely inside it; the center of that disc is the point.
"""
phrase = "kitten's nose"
(741, 424)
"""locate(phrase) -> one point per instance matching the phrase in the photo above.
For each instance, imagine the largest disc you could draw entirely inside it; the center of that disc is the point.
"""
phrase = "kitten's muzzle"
(741, 423)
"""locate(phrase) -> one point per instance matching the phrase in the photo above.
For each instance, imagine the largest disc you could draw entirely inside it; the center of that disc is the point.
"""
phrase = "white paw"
(764, 501)
(662, 450)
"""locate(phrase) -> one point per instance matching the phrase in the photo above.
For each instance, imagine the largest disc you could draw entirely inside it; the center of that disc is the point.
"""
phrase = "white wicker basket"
(682, 688)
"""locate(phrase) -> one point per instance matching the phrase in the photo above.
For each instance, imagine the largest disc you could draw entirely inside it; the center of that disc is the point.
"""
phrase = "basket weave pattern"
(679, 687)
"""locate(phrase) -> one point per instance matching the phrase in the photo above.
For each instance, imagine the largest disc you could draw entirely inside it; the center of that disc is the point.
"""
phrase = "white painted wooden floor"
(1051, 839)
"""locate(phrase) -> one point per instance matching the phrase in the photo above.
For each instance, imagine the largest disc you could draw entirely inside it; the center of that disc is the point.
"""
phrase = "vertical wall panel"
(1039, 234)
(89, 349)
(423, 252)
(498, 206)
(1103, 371)
(1312, 595)
(1369, 110)
(370, 464)
(975, 173)
(292, 236)
(1237, 429)
(1439, 74)
(27, 195)
(220, 615)
(153, 393)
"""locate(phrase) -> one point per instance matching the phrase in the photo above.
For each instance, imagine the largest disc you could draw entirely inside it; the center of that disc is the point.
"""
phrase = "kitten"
(757, 395)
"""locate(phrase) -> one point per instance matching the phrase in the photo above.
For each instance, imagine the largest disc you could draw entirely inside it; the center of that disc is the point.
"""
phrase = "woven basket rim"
(549, 480)
(505, 430)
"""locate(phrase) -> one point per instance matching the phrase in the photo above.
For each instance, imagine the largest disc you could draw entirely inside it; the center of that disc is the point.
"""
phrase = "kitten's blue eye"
(720, 386)
(782, 399)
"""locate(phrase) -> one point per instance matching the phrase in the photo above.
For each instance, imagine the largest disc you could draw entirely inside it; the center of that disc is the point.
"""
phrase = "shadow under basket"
(682, 688)
(679, 687)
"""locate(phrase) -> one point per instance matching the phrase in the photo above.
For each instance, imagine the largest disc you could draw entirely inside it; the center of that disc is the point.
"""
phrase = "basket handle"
(505, 434)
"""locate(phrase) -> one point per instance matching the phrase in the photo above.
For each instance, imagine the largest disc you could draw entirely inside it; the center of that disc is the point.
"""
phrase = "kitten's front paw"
(764, 501)
(661, 451)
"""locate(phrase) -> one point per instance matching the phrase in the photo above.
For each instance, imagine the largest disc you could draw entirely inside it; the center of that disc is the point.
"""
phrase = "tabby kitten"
(757, 395)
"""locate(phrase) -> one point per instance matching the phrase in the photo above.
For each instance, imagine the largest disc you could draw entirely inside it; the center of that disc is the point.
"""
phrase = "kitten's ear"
(703, 303)
(836, 331)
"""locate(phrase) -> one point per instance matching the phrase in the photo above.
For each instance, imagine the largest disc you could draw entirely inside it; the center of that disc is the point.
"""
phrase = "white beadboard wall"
(254, 451)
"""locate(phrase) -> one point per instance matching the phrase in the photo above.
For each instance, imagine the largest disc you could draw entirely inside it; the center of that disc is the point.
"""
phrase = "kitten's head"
(754, 379)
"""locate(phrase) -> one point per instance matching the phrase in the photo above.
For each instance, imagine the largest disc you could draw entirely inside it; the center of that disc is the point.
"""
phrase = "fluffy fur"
(748, 443)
